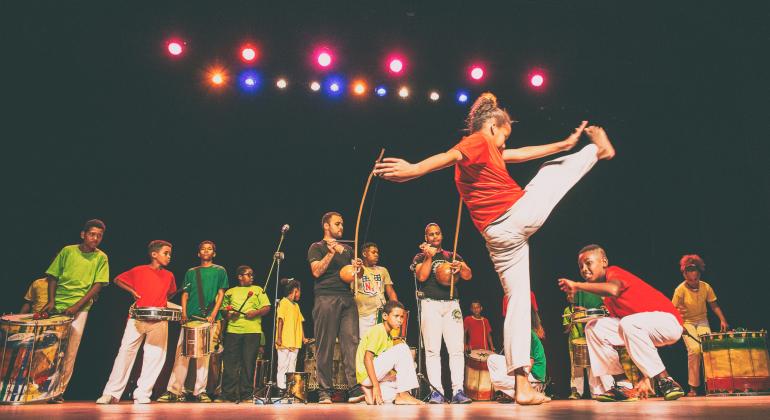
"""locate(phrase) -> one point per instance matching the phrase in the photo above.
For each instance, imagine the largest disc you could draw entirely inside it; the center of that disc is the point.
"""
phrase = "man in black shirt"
(335, 314)
(441, 316)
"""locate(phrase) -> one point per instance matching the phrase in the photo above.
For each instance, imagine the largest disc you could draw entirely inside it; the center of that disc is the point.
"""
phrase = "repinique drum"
(629, 367)
(32, 365)
(586, 315)
(196, 339)
(296, 385)
(736, 362)
(580, 353)
(478, 385)
(401, 332)
(155, 314)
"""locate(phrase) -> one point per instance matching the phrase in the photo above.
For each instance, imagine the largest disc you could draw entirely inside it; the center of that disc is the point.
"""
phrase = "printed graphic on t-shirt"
(371, 286)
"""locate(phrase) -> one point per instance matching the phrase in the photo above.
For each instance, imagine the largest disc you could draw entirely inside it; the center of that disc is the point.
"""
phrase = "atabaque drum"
(196, 339)
(736, 362)
(580, 353)
(401, 332)
(339, 381)
(296, 385)
(32, 366)
(478, 385)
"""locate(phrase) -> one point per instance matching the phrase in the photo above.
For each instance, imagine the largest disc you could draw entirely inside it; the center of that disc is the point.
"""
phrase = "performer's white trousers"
(365, 323)
(443, 318)
(694, 353)
(640, 333)
(179, 372)
(498, 375)
(598, 384)
(77, 327)
(507, 241)
(398, 358)
(287, 362)
(155, 337)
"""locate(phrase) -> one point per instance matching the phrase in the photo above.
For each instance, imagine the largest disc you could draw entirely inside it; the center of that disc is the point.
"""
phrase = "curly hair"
(692, 259)
(484, 109)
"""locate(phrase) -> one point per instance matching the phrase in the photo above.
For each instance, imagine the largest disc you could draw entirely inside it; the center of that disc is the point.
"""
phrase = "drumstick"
(454, 252)
(251, 292)
(199, 318)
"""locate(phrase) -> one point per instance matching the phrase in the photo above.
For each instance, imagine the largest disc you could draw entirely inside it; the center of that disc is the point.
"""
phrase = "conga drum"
(478, 385)
(736, 362)
(31, 364)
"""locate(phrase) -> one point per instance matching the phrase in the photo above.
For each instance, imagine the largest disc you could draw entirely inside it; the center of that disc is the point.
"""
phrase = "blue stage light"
(462, 96)
(249, 81)
(381, 91)
(334, 85)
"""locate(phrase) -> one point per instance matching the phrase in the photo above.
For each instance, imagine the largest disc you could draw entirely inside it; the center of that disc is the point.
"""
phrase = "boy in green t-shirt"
(75, 278)
(384, 369)
(203, 291)
(244, 306)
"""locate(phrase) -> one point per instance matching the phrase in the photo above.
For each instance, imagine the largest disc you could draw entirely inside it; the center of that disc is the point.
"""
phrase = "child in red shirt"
(478, 332)
(150, 285)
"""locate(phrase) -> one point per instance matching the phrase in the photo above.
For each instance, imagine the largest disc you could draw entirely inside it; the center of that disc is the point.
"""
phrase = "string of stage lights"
(250, 80)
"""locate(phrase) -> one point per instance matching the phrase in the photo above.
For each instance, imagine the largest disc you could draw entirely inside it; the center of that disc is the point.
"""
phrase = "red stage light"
(175, 47)
(537, 80)
(324, 59)
(396, 65)
(477, 73)
(249, 53)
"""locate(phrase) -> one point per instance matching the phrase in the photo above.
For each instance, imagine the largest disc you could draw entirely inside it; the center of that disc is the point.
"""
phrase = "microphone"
(285, 228)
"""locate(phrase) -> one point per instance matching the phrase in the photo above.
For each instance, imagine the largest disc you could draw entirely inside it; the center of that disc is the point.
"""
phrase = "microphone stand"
(267, 390)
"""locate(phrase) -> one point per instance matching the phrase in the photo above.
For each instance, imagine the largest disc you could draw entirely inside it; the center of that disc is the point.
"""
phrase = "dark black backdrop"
(98, 122)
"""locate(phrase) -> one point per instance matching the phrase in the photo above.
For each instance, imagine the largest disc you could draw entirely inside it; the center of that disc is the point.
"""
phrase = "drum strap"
(199, 282)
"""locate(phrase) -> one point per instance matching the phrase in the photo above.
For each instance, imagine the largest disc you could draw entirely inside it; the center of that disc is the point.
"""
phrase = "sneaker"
(355, 395)
(618, 394)
(142, 401)
(324, 398)
(503, 398)
(107, 399)
(436, 398)
(670, 389)
(170, 397)
(460, 398)
(203, 398)
(56, 400)
(574, 395)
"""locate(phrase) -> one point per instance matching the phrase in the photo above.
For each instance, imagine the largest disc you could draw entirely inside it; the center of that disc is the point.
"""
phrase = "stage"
(699, 407)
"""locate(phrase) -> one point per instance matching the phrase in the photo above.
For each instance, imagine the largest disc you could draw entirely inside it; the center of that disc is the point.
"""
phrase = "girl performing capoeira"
(505, 214)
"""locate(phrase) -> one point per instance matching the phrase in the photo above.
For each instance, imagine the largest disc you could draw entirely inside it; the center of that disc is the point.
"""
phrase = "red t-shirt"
(483, 181)
(636, 296)
(152, 285)
(477, 330)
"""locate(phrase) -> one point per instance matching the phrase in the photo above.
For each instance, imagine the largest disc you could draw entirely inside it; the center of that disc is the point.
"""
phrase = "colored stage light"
(403, 92)
(281, 83)
(396, 65)
(248, 54)
(217, 76)
(324, 59)
(315, 86)
(462, 97)
(434, 96)
(175, 48)
(477, 73)
(537, 80)
(249, 81)
(334, 87)
(381, 91)
(359, 87)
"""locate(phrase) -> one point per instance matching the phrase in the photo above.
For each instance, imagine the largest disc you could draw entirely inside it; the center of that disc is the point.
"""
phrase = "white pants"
(398, 358)
(507, 241)
(365, 323)
(498, 375)
(287, 362)
(155, 336)
(179, 372)
(640, 333)
(76, 334)
(443, 318)
(694, 353)
(598, 384)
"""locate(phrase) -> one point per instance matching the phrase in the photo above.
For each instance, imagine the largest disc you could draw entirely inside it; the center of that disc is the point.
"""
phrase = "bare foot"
(599, 137)
(406, 399)
(368, 395)
(526, 395)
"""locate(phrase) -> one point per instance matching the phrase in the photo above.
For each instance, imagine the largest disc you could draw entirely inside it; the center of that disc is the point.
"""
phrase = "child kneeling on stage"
(386, 369)
(641, 319)
(151, 285)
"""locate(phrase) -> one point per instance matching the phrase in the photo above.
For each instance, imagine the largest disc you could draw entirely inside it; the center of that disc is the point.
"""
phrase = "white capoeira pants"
(155, 337)
(365, 323)
(287, 362)
(398, 358)
(598, 384)
(77, 327)
(640, 333)
(507, 241)
(179, 371)
(498, 375)
(443, 318)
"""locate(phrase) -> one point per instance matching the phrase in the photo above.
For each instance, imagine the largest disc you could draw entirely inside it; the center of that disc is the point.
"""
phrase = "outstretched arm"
(399, 170)
(523, 154)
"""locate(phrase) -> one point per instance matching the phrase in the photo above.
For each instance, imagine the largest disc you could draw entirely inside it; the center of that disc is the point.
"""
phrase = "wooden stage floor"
(727, 408)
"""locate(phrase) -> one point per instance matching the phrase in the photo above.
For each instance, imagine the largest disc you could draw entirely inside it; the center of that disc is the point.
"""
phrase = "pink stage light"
(396, 65)
(324, 59)
(175, 48)
(537, 80)
(248, 53)
(477, 73)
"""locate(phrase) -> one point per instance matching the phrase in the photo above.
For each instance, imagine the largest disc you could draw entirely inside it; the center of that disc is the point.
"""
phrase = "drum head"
(195, 324)
(27, 319)
(580, 341)
(480, 354)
